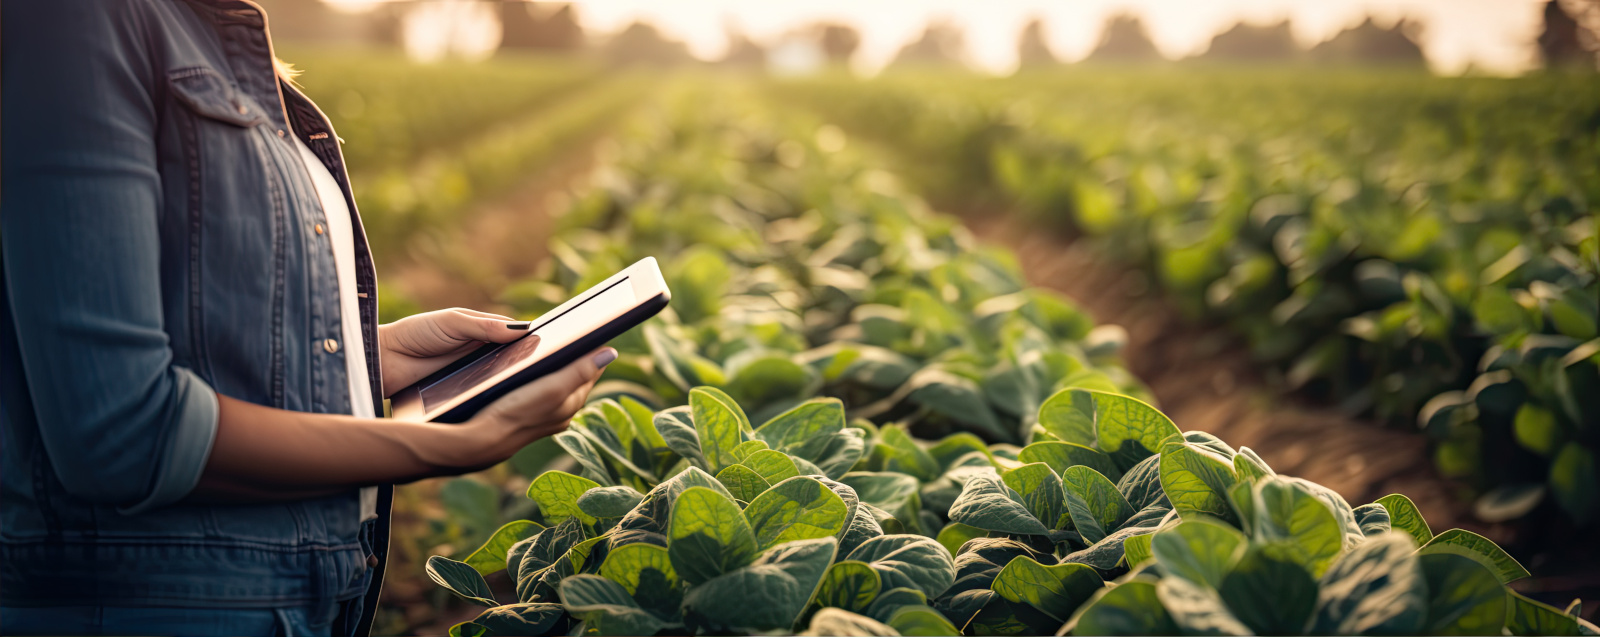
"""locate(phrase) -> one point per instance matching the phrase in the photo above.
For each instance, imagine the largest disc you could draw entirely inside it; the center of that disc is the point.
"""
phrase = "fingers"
(466, 325)
(556, 397)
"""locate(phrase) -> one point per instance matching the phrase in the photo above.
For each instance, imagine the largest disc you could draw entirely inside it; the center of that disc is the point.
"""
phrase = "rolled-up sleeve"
(120, 422)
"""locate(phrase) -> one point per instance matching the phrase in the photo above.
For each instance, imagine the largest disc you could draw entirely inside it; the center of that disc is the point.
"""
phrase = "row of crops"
(425, 142)
(1423, 250)
(854, 421)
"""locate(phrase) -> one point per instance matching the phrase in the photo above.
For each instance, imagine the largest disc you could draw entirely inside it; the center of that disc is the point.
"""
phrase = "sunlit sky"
(1489, 35)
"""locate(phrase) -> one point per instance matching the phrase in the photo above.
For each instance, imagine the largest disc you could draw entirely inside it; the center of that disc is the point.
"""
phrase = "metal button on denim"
(318, 228)
(330, 345)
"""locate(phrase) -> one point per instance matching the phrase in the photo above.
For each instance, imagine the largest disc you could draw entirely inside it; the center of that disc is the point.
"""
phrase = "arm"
(120, 424)
(263, 453)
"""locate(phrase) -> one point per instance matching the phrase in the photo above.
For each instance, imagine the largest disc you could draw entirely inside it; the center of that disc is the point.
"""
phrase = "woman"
(192, 363)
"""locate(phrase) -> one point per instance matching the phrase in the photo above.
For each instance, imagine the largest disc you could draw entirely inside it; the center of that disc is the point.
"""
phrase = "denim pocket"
(208, 94)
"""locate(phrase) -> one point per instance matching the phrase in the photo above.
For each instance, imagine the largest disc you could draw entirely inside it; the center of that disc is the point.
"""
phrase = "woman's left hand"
(418, 345)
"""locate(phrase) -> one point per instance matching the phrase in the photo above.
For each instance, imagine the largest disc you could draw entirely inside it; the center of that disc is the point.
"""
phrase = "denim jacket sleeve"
(120, 423)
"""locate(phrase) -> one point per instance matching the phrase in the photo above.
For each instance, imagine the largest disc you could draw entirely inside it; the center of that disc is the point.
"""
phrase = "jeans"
(177, 622)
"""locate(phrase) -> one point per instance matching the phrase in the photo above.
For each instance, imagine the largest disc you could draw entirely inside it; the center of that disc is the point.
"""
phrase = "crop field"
(858, 418)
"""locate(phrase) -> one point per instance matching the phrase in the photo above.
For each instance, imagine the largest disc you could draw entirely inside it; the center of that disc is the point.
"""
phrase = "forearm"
(262, 453)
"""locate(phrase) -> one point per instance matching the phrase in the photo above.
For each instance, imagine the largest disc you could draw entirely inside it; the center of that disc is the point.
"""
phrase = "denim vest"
(162, 244)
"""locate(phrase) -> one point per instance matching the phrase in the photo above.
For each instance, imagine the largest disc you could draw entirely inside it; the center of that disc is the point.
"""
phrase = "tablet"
(577, 327)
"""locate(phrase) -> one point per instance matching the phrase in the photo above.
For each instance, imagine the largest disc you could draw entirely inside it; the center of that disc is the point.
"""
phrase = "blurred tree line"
(1568, 38)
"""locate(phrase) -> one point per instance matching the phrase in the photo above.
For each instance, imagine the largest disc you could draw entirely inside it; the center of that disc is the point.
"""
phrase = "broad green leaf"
(908, 561)
(1372, 518)
(1298, 523)
(863, 526)
(1097, 508)
(1464, 596)
(1141, 485)
(609, 502)
(1197, 480)
(956, 445)
(1106, 554)
(621, 423)
(491, 557)
(772, 466)
(1198, 610)
(767, 595)
(579, 448)
(654, 512)
(744, 483)
(709, 536)
(718, 425)
(921, 621)
(1056, 590)
(473, 505)
(557, 493)
(1375, 589)
(580, 591)
(677, 430)
(513, 619)
(748, 447)
(733, 405)
(955, 534)
(1199, 549)
(844, 450)
(898, 451)
(461, 579)
(799, 508)
(891, 601)
(843, 623)
(805, 430)
(1248, 466)
(1528, 617)
(771, 378)
(1121, 420)
(1505, 566)
(1041, 492)
(1270, 595)
(643, 422)
(987, 503)
(958, 399)
(883, 489)
(1404, 516)
(1068, 415)
(1062, 455)
(850, 585)
(639, 565)
(605, 608)
(1137, 548)
(1129, 608)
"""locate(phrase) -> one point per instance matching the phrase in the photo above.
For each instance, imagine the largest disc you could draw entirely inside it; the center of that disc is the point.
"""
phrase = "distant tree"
(838, 42)
(941, 44)
(642, 44)
(1125, 40)
(1565, 42)
(742, 51)
(1368, 43)
(1031, 48)
(1254, 43)
(524, 27)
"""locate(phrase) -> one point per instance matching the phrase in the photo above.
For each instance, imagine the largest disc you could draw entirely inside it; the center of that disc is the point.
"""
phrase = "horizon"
(1486, 36)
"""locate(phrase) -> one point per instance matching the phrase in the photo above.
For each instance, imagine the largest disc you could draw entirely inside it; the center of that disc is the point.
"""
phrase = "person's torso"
(251, 304)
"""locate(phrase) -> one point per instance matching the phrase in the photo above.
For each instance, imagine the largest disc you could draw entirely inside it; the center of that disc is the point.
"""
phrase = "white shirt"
(341, 235)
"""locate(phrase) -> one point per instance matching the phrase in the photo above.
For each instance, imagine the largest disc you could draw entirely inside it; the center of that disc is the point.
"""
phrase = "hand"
(418, 345)
(535, 410)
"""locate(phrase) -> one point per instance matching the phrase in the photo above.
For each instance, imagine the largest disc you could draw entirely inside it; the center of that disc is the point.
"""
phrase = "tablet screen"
(556, 331)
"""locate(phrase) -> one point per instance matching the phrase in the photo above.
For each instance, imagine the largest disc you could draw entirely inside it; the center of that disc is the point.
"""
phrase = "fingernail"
(605, 357)
(518, 325)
